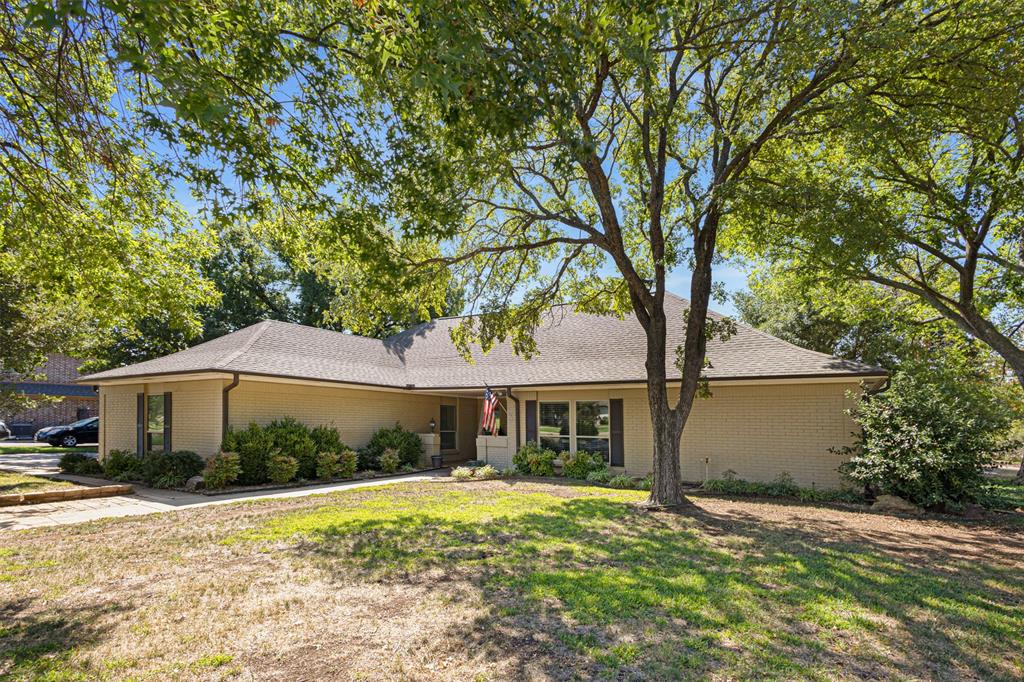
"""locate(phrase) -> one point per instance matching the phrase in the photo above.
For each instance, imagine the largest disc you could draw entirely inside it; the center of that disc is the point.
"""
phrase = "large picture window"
(593, 426)
(449, 421)
(155, 422)
(553, 430)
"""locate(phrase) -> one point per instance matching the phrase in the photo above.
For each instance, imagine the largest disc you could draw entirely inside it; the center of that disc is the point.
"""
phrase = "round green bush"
(123, 465)
(253, 445)
(327, 439)
(222, 470)
(406, 444)
(77, 463)
(348, 460)
(534, 460)
(294, 439)
(621, 481)
(580, 463)
(170, 469)
(927, 439)
(281, 468)
(389, 461)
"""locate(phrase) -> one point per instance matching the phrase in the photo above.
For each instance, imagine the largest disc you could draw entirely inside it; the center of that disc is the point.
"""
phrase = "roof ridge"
(224, 362)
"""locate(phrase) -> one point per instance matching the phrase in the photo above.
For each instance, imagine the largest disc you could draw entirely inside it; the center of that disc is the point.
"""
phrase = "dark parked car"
(76, 433)
(5, 432)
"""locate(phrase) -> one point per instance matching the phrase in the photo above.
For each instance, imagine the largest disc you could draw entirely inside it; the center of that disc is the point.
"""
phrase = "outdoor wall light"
(433, 424)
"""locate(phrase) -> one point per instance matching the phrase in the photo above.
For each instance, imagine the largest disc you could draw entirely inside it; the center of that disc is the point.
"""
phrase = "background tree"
(254, 282)
(916, 190)
(862, 322)
(90, 241)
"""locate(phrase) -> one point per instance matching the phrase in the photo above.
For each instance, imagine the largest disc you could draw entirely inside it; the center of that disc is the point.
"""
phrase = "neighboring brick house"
(776, 408)
(74, 401)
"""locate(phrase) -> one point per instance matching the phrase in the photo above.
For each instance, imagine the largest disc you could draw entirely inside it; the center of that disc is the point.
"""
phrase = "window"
(155, 422)
(554, 426)
(449, 421)
(592, 426)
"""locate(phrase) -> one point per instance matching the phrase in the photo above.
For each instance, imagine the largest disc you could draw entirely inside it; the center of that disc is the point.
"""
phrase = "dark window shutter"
(140, 423)
(618, 455)
(167, 422)
(531, 421)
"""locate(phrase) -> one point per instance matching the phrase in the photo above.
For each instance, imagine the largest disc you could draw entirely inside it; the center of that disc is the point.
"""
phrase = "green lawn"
(31, 448)
(512, 579)
(1002, 493)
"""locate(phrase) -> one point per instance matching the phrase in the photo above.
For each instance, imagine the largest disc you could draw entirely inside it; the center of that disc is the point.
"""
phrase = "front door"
(449, 427)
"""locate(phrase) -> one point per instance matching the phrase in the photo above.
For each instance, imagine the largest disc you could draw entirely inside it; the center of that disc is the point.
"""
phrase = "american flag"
(490, 411)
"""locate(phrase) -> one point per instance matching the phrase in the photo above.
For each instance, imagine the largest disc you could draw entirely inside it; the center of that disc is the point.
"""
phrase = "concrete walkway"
(144, 501)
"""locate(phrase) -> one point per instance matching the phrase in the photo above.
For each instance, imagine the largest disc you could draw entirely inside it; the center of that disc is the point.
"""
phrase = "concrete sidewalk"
(145, 500)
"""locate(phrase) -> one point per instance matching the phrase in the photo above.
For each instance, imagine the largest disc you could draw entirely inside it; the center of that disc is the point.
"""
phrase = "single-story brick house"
(775, 407)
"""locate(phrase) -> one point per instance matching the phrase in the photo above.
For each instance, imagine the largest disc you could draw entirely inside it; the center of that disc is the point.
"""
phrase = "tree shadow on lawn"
(592, 586)
(39, 642)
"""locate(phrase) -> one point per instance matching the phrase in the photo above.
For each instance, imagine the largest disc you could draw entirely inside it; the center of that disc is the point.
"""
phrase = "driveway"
(32, 463)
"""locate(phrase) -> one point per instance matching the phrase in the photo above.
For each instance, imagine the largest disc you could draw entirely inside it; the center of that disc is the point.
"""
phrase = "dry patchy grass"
(12, 482)
(511, 580)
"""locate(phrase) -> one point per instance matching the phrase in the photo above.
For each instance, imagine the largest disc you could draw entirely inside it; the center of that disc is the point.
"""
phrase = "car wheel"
(69, 441)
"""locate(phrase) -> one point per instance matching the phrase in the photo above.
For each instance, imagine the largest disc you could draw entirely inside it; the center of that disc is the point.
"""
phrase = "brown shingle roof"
(573, 348)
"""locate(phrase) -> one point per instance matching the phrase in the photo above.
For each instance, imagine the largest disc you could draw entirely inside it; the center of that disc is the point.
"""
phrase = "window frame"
(157, 398)
(570, 411)
(607, 435)
(573, 437)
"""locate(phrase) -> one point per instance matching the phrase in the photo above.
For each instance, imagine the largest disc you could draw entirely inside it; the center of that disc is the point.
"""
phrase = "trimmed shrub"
(645, 483)
(486, 472)
(406, 444)
(253, 445)
(77, 463)
(927, 439)
(327, 465)
(170, 469)
(294, 439)
(347, 462)
(782, 486)
(580, 463)
(122, 465)
(389, 461)
(366, 460)
(222, 470)
(327, 439)
(600, 475)
(534, 460)
(621, 481)
(480, 473)
(282, 468)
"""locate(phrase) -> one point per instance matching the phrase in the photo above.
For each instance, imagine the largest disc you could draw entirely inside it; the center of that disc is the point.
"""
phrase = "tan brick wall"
(758, 431)
(356, 413)
(117, 418)
(195, 415)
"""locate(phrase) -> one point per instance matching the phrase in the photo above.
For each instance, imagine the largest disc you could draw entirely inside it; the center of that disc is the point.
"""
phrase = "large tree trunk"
(669, 420)
(666, 487)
